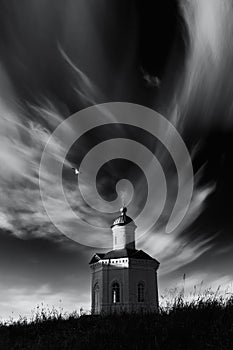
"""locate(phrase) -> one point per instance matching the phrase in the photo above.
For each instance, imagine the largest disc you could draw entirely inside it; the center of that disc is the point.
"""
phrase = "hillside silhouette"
(201, 324)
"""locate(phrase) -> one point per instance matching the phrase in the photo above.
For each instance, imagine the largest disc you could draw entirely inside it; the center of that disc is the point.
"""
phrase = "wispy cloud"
(204, 91)
(206, 85)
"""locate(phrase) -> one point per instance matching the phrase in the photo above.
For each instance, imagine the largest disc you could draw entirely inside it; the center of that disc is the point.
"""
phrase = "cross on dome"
(123, 210)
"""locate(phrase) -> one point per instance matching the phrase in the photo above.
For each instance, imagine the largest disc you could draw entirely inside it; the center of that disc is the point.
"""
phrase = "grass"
(202, 323)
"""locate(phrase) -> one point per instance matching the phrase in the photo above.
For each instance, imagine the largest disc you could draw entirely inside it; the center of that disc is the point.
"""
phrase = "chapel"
(124, 279)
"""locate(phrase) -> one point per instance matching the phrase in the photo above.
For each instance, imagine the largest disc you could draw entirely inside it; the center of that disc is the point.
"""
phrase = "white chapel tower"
(124, 279)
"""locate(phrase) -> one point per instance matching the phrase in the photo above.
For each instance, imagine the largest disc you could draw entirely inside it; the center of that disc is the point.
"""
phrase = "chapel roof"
(122, 253)
(96, 257)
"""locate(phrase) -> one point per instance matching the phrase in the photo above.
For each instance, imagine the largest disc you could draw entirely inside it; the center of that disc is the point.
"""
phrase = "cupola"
(123, 229)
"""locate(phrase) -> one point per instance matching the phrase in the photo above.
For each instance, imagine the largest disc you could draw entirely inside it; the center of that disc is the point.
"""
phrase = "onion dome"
(123, 219)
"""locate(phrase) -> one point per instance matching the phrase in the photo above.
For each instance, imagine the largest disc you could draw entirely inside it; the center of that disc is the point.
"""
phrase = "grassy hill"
(195, 325)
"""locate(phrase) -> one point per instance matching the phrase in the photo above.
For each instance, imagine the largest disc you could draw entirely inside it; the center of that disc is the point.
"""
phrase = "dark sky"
(58, 57)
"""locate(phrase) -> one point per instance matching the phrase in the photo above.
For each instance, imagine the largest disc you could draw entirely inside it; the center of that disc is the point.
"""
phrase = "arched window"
(115, 292)
(141, 292)
(96, 298)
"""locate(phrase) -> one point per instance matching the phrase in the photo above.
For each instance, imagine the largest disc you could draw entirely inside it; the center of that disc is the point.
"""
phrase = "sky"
(59, 57)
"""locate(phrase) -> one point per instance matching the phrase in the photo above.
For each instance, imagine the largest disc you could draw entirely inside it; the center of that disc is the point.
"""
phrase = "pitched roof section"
(119, 253)
(96, 258)
(122, 253)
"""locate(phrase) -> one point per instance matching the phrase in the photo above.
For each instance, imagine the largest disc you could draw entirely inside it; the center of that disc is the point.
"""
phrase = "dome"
(123, 219)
